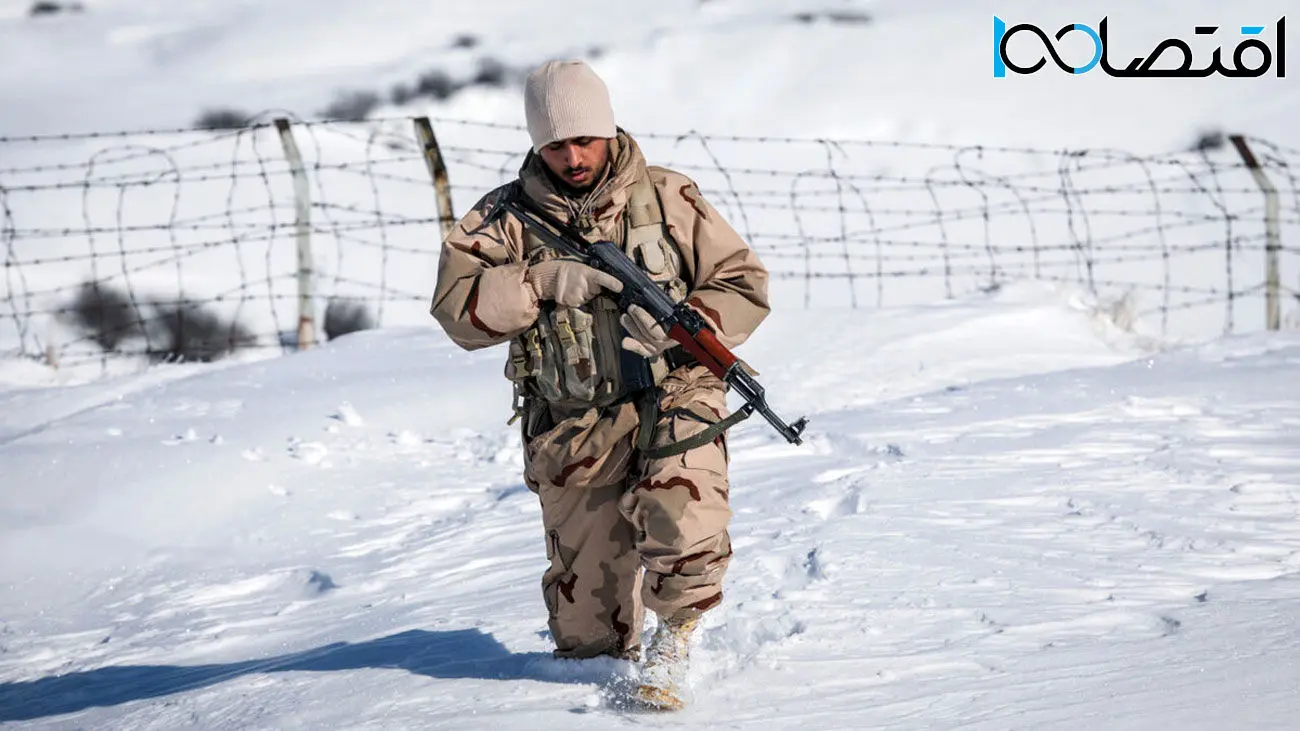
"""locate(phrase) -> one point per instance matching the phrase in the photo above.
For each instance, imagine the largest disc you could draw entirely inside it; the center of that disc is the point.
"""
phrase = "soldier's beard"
(577, 191)
(571, 173)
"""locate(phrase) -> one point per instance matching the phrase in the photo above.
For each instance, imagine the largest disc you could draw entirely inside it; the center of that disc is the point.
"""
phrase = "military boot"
(663, 676)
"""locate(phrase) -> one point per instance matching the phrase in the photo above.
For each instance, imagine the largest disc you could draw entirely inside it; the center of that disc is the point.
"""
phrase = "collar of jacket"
(601, 205)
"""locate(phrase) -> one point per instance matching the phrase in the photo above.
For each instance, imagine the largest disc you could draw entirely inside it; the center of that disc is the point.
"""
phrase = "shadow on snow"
(467, 653)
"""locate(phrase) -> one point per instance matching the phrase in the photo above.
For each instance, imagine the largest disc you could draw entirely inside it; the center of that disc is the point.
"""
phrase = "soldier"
(629, 524)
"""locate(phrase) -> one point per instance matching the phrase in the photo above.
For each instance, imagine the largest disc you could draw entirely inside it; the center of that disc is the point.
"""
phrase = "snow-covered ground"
(1006, 516)
(1011, 512)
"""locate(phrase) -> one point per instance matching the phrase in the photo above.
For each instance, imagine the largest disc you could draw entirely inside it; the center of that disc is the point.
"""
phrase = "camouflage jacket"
(482, 298)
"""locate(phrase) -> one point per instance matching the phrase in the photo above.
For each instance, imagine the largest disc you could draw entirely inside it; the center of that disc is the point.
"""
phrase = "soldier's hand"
(569, 283)
(645, 336)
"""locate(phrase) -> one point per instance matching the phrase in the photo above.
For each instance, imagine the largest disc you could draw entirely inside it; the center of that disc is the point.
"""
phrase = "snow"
(1010, 518)
(1014, 510)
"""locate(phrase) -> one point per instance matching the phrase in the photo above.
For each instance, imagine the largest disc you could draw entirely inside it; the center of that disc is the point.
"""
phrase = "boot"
(663, 676)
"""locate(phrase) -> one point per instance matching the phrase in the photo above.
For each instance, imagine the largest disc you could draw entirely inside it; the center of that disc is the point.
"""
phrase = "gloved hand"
(569, 283)
(646, 337)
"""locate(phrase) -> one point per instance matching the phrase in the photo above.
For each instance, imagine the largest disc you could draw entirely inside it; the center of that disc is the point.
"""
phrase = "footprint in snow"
(309, 452)
(347, 414)
(188, 436)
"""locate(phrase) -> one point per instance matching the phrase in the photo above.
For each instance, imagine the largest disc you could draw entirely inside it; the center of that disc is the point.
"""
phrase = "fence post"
(438, 171)
(302, 226)
(1272, 235)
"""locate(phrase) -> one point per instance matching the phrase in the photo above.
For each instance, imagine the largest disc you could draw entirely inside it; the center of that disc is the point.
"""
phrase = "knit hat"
(564, 99)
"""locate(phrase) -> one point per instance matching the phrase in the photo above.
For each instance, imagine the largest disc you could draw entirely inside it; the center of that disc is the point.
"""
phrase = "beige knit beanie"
(564, 99)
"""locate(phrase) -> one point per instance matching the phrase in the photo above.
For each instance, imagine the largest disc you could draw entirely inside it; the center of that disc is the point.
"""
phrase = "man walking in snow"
(629, 521)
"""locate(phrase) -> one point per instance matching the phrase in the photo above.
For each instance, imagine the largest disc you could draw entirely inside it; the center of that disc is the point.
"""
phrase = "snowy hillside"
(884, 69)
(1004, 517)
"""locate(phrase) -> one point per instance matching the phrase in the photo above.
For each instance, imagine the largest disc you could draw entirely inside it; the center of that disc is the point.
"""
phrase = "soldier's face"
(578, 161)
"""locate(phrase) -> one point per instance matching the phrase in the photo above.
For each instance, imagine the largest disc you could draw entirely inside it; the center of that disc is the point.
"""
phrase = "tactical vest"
(573, 357)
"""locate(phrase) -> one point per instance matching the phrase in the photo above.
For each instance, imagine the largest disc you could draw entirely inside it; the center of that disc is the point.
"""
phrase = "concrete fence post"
(302, 227)
(1272, 235)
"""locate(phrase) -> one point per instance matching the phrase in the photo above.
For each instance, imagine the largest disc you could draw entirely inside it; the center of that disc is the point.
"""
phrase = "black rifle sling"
(710, 433)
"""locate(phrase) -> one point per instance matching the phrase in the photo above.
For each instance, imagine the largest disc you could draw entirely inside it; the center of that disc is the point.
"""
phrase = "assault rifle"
(679, 320)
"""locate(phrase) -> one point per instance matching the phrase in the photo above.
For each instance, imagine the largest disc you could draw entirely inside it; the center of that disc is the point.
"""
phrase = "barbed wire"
(116, 237)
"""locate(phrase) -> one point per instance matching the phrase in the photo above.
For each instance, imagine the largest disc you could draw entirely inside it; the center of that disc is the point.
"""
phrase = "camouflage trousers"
(625, 533)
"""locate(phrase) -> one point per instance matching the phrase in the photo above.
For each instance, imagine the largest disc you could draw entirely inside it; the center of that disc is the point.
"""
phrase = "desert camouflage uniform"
(607, 510)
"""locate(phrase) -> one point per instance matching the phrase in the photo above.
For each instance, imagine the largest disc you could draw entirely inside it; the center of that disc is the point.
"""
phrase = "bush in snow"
(843, 17)
(401, 94)
(179, 331)
(44, 7)
(104, 315)
(437, 84)
(222, 118)
(1208, 140)
(187, 332)
(343, 317)
(491, 72)
(351, 106)
(465, 40)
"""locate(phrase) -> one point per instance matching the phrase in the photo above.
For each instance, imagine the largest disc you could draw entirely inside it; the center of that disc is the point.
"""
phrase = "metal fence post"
(1272, 235)
(302, 226)
(438, 171)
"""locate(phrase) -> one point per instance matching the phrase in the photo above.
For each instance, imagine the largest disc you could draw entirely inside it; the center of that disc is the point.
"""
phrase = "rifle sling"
(650, 415)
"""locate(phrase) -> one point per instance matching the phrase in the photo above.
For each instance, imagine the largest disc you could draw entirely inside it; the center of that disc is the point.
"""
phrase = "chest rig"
(572, 357)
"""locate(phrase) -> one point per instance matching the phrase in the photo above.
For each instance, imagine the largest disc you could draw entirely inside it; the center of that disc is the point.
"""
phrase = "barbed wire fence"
(185, 244)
